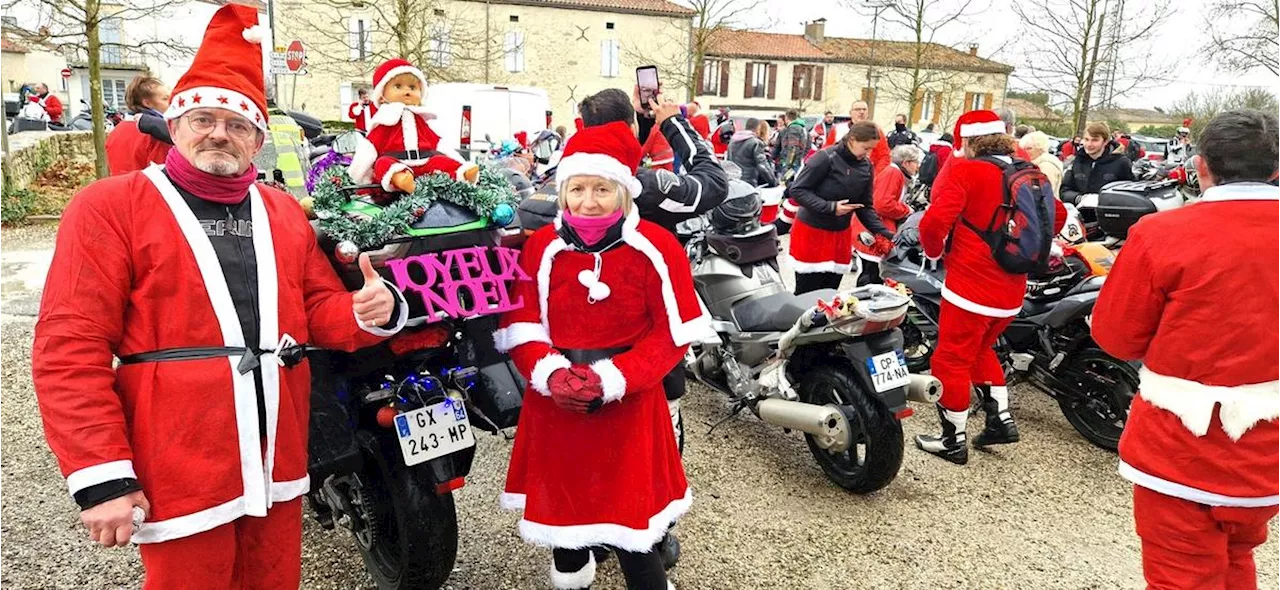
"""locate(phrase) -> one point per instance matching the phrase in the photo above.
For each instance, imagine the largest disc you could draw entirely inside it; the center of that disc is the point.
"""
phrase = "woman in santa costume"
(833, 185)
(400, 144)
(144, 139)
(1200, 445)
(611, 312)
(979, 298)
(889, 199)
(203, 284)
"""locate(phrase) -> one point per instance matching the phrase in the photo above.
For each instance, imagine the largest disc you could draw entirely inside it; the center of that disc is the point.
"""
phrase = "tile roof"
(651, 7)
(1027, 110)
(11, 46)
(738, 43)
(1139, 115)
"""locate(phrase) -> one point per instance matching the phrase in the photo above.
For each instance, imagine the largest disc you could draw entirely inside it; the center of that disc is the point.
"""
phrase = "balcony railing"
(111, 56)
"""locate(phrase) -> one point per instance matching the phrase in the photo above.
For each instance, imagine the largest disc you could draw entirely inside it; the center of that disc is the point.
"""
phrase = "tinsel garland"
(317, 169)
(395, 219)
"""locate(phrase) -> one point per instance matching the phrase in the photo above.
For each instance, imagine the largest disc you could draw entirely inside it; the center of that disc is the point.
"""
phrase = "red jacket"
(826, 134)
(362, 114)
(972, 190)
(701, 124)
(942, 151)
(880, 153)
(129, 149)
(659, 151)
(1068, 150)
(124, 280)
(887, 198)
(52, 105)
(1201, 314)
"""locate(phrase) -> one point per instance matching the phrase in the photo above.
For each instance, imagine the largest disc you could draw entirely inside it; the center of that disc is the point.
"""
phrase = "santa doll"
(400, 145)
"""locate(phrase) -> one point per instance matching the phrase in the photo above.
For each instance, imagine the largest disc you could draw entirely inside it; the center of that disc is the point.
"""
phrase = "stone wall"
(30, 152)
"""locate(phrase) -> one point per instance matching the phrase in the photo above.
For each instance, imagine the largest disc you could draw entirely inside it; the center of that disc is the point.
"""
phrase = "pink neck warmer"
(224, 190)
(592, 229)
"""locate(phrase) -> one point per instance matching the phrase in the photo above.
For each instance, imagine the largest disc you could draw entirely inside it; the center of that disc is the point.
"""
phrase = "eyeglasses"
(236, 127)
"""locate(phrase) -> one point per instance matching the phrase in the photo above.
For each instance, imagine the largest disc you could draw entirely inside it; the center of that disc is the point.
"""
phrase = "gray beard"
(217, 167)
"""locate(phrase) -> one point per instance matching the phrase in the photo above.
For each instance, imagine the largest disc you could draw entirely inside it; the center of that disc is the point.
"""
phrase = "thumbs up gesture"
(373, 303)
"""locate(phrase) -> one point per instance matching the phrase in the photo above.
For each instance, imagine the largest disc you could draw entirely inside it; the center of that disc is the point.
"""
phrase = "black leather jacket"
(668, 198)
(750, 155)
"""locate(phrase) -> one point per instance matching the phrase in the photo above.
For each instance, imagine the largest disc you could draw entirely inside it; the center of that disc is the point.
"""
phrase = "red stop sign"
(293, 55)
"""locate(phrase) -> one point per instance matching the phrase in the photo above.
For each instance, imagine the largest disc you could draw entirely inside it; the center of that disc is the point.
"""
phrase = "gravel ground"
(1049, 512)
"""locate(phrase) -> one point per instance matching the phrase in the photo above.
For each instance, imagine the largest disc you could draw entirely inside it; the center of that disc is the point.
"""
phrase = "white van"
(498, 112)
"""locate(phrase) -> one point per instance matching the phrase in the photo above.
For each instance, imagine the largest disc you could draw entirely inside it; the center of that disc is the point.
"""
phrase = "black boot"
(950, 445)
(669, 549)
(1000, 428)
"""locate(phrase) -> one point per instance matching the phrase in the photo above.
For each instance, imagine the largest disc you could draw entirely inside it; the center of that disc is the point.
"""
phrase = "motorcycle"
(392, 425)
(1048, 344)
(827, 363)
(1108, 215)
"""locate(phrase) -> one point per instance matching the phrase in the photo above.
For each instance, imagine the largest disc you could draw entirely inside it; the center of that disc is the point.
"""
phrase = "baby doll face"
(405, 89)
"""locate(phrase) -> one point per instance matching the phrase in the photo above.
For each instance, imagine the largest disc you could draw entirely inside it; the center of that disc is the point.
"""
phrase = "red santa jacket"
(701, 124)
(880, 153)
(942, 151)
(659, 151)
(129, 149)
(134, 272)
(52, 105)
(1200, 310)
(827, 135)
(361, 114)
(398, 129)
(972, 190)
(625, 484)
(888, 198)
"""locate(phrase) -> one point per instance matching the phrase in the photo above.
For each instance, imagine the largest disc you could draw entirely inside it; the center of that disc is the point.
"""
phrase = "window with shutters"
(513, 49)
(609, 58)
(928, 107)
(440, 50)
(757, 80)
(975, 100)
(710, 83)
(360, 38)
(113, 92)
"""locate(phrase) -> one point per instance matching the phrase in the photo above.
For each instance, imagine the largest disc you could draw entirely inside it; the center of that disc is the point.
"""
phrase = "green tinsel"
(395, 219)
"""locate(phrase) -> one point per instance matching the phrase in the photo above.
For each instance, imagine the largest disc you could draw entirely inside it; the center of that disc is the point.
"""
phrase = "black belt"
(584, 356)
(412, 154)
(251, 359)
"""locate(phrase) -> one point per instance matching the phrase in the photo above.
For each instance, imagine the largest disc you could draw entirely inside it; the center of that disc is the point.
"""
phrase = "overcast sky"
(1180, 39)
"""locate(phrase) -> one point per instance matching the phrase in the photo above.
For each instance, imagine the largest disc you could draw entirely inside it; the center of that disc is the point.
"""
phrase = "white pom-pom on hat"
(255, 34)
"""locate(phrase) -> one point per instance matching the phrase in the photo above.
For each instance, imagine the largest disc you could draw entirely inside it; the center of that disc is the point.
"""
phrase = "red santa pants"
(247, 553)
(964, 355)
(385, 166)
(1186, 545)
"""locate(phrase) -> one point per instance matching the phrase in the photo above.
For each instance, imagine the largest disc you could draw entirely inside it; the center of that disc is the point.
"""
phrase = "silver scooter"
(827, 363)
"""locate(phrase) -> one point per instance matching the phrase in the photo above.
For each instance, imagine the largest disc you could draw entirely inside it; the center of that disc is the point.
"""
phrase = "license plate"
(888, 371)
(434, 431)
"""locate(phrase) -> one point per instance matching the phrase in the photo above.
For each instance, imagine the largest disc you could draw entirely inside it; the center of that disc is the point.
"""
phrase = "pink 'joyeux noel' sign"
(463, 282)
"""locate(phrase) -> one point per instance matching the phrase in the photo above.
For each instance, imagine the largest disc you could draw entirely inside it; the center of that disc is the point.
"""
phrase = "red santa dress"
(1201, 441)
(612, 477)
(129, 149)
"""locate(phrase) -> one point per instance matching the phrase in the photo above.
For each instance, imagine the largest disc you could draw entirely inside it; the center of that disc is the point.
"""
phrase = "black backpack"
(1021, 230)
(928, 169)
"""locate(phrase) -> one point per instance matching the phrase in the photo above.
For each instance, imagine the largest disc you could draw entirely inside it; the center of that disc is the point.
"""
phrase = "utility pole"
(1083, 115)
(877, 8)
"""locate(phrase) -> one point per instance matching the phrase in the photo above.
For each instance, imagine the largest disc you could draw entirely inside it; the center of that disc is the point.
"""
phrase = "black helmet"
(740, 211)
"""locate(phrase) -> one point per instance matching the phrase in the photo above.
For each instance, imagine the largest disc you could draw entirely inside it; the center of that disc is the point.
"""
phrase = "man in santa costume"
(1200, 445)
(205, 285)
(824, 133)
(362, 111)
(400, 145)
(612, 312)
(979, 298)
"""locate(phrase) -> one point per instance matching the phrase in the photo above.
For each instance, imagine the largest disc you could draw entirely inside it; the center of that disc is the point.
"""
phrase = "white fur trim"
(585, 164)
(211, 518)
(391, 74)
(361, 166)
(385, 181)
(400, 319)
(1241, 191)
(867, 257)
(543, 369)
(612, 380)
(682, 332)
(509, 501)
(506, 339)
(809, 267)
(986, 128)
(93, 475)
(978, 308)
(1185, 492)
(575, 580)
(211, 97)
(392, 113)
(544, 275)
(610, 534)
(1240, 407)
(256, 34)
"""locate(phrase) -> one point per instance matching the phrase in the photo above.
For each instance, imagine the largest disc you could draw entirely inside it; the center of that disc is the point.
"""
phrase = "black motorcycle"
(1048, 344)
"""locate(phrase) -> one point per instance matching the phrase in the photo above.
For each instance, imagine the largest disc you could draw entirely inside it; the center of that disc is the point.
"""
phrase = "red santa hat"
(227, 70)
(610, 151)
(975, 123)
(389, 70)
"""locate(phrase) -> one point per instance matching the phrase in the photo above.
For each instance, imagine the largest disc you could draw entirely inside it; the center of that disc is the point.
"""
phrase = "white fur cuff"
(575, 580)
(543, 369)
(611, 379)
(506, 339)
(385, 181)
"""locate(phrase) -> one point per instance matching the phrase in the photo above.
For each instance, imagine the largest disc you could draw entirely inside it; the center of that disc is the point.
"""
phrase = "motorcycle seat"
(776, 312)
(1032, 308)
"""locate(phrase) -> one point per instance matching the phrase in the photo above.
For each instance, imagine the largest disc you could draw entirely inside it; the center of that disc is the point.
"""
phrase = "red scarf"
(223, 190)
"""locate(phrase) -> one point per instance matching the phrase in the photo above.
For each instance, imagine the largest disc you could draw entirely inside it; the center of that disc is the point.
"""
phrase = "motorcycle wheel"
(1104, 387)
(413, 542)
(876, 455)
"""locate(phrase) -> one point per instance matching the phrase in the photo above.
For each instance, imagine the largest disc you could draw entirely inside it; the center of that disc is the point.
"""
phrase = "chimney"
(815, 32)
(973, 49)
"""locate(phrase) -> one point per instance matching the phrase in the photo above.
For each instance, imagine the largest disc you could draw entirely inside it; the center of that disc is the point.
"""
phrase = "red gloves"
(576, 389)
(882, 246)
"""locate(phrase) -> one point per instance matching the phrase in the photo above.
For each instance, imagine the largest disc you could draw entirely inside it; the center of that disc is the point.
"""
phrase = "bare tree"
(1071, 38)
(684, 66)
(76, 26)
(1244, 49)
(352, 42)
(1203, 106)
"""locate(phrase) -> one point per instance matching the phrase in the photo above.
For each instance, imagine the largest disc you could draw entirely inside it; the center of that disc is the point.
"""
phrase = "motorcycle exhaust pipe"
(829, 427)
(925, 389)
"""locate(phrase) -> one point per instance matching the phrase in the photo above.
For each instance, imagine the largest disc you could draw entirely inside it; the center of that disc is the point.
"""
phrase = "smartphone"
(647, 80)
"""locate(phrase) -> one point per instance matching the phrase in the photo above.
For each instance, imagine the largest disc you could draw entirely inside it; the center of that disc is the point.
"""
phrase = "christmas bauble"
(308, 206)
(346, 252)
(419, 212)
(503, 214)
(387, 416)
